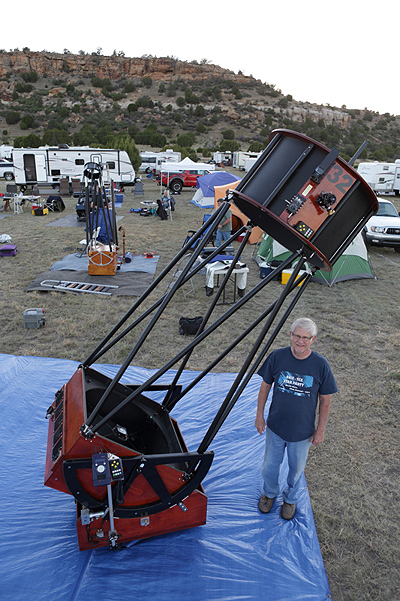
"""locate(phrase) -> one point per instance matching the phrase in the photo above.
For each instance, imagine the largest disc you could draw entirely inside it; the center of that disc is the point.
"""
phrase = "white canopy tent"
(186, 163)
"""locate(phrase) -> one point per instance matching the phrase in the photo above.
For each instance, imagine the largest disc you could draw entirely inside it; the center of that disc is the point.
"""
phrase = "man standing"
(302, 380)
(224, 228)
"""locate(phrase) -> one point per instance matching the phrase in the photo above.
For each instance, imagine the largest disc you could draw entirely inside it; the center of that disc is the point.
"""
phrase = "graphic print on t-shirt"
(297, 384)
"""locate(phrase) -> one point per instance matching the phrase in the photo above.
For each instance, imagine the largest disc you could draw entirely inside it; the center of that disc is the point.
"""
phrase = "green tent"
(353, 264)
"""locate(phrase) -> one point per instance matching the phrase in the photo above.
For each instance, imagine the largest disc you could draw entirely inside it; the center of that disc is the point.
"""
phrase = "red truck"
(176, 180)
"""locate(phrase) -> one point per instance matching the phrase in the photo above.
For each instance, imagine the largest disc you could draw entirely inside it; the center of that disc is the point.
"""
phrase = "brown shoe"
(288, 510)
(265, 504)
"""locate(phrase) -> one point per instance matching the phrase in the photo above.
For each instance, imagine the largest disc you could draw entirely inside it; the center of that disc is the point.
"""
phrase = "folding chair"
(138, 190)
(64, 186)
(54, 203)
(76, 187)
(190, 234)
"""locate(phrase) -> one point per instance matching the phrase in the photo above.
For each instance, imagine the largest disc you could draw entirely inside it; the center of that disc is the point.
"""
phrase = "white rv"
(47, 165)
(151, 161)
(383, 178)
(6, 152)
(169, 156)
(223, 157)
(240, 157)
(248, 163)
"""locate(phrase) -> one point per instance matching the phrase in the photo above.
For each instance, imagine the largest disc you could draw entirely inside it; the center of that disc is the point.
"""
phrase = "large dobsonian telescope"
(121, 454)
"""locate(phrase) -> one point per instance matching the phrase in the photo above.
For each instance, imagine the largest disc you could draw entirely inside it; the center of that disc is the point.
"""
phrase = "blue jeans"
(274, 452)
(221, 237)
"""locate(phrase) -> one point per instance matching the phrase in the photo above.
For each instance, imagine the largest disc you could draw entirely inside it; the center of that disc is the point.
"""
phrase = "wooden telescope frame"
(311, 201)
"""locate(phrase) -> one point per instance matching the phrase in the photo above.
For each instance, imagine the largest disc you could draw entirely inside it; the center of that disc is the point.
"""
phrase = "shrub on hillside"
(12, 117)
(29, 141)
(30, 76)
(27, 122)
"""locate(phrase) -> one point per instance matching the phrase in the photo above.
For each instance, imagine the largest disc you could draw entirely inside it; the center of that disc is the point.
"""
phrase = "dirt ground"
(353, 477)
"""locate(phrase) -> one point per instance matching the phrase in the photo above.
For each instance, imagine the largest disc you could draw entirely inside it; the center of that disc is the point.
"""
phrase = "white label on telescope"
(307, 190)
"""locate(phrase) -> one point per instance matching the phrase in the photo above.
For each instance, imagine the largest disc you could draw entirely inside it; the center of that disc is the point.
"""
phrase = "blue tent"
(204, 195)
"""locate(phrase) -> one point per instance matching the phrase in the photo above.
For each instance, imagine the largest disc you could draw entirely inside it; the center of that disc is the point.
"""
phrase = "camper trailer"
(47, 165)
(383, 178)
(240, 157)
(151, 161)
(166, 157)
(248, 163)
(223, 159)
(6, 152)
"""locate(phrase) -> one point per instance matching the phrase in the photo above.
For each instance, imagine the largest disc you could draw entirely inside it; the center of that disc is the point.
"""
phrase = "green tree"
(256, 147)
(199, 111)
(86, 136)
(228, 134)
(52, 137)
(187, 139)
(26, 122)
(12, 117)
(231, 145)
(23, 88)
(29, 141)
(125, 142)
(31, 76)
(129, 87)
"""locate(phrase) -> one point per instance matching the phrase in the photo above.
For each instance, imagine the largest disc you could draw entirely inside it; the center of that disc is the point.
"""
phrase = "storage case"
(8, 250)
(33, 318)
(266, 269)
(286, 273)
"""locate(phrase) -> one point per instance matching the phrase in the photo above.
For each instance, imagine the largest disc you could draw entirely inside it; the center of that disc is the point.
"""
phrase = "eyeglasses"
(303, 338)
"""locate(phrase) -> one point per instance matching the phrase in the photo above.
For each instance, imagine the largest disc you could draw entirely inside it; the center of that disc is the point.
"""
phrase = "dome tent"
(204, 195)
(353, 264)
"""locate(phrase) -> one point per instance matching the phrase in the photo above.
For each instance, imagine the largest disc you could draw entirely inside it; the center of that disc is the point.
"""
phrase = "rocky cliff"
(111, 67)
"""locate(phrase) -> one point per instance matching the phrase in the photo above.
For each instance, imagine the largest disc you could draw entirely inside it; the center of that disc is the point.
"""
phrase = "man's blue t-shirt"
(297, 383)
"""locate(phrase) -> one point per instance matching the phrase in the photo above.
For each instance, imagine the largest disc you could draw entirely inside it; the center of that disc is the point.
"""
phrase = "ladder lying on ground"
(66, 286)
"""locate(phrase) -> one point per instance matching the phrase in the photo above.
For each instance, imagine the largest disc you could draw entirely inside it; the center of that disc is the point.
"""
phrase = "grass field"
(354, 476)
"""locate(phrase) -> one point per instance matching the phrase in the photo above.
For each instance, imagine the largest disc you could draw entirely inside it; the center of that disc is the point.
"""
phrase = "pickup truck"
(6, 170)
(179, 179)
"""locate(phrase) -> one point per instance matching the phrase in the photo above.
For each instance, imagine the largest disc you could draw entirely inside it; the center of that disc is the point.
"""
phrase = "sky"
(328, 53)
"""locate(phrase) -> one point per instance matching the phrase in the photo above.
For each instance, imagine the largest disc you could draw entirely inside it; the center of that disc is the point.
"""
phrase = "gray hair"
(307, 324)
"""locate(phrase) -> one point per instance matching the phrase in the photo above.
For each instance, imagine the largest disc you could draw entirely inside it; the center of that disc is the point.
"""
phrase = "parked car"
(177, 180)
(383, 229)
(6, 170)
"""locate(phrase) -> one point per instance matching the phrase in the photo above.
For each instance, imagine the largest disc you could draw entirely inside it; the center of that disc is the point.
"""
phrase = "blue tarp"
(239, 554)
(204, 195)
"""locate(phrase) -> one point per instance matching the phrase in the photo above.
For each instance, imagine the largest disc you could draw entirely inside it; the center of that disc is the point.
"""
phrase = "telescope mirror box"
(33, 318)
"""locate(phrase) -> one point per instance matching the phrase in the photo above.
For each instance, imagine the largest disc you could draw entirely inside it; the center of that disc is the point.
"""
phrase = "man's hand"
(317, 438)
(260, 424)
